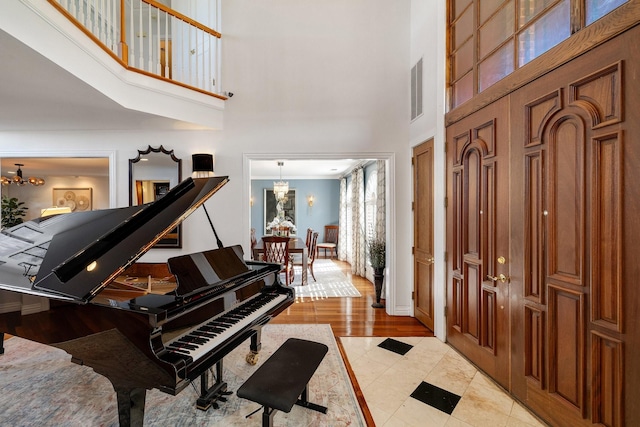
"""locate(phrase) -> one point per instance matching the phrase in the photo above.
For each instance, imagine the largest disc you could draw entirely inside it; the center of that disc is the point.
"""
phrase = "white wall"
(309, 78)
(428, 41)
(326, 78)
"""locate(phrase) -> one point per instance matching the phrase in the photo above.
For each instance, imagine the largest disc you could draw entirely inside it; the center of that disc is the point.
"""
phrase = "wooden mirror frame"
(167, 242)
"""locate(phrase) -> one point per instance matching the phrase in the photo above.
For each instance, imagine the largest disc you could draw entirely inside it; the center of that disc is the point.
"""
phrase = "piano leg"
(209, 395)
(1, 342)
(254, 347)
(131, 406)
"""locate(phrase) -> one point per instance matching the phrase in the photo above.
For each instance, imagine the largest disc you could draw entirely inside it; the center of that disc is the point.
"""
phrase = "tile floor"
(405, 381)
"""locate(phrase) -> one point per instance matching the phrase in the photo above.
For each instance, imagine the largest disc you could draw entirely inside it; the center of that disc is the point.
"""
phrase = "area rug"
(330, 282)
(40, 386)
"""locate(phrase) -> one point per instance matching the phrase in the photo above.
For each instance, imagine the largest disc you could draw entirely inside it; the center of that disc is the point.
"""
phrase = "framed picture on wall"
(78, 199)
(271, 210)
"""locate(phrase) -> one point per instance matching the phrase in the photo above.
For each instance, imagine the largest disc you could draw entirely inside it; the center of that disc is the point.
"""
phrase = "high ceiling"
(38, 95)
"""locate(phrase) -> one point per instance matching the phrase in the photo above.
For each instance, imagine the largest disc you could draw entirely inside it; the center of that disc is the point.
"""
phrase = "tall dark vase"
(378, 278)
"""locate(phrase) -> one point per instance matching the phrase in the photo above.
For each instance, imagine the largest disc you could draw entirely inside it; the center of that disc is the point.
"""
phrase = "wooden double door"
(543, 235)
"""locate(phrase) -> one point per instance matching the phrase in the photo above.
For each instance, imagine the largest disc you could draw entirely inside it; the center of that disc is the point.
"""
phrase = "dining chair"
(330, 240)
(311, 254)
(297, 258)
(276, 250)
(307, 241)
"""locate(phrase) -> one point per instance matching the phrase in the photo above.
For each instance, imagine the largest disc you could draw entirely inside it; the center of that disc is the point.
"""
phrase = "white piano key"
(229, 331)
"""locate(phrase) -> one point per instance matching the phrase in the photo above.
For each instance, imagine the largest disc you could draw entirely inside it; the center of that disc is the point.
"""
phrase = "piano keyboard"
(207, 336)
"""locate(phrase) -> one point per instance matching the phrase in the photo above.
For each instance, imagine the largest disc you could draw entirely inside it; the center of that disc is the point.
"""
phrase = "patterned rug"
(41, 387)
(331, 282)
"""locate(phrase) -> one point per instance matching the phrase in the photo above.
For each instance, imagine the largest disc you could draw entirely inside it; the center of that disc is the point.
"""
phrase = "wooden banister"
(104, 16)
(183, 18)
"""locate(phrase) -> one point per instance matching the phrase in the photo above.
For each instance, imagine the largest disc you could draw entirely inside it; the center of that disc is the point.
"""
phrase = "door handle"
(501, 277)
(430, 260)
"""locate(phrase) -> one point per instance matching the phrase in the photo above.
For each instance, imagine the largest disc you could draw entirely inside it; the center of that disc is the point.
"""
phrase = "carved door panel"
(568, 146)
(478, 239)
(423, 229)
(568, 155)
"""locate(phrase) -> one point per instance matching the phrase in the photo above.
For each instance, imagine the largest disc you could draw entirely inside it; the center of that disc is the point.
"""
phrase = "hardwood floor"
(352, 316)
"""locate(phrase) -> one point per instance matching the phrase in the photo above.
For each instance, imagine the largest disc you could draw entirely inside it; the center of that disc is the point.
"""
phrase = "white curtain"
(381, 201)
(342, 221)
(381, 209)
(358, 244)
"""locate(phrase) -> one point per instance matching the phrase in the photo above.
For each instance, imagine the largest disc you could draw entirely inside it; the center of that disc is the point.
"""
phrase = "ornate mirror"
(151, 175)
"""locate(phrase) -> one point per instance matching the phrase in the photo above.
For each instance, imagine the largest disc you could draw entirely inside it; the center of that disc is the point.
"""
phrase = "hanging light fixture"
(280, 188)
(19, 180)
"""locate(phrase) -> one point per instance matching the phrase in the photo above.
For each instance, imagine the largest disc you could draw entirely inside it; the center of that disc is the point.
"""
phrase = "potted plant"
(12, 212)
(378, 259)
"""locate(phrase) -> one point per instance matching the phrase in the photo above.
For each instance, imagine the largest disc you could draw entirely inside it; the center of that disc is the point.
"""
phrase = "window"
(490, 39)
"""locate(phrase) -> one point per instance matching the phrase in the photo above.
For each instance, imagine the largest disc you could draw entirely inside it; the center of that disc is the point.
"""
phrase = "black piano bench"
(283, 380)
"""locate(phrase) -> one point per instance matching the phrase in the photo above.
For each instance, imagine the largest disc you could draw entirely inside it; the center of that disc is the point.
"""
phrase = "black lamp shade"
(202, 162)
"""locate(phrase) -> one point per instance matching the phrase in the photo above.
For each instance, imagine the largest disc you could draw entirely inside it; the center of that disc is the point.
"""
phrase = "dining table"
(296, 246)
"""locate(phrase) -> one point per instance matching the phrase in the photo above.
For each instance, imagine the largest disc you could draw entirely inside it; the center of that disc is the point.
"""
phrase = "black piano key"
(201, 333)
(211, 329)
(221, 324)
(177, 349)
(182, 344)
(194, 341)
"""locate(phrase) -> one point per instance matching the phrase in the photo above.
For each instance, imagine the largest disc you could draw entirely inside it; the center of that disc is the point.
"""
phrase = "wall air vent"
(416, 90)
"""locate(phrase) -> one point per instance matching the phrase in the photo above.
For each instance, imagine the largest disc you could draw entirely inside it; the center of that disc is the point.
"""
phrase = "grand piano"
(163, 341)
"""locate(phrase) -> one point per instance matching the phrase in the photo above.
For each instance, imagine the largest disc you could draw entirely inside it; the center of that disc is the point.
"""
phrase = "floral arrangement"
(377, 252)
(278, 222)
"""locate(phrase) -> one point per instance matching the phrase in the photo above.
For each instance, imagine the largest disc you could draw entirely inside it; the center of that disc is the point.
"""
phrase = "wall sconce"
(310, 200)
(202, 165)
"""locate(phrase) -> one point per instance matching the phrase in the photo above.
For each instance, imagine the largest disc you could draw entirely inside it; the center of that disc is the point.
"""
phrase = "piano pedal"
(252, 358)
(214, 394)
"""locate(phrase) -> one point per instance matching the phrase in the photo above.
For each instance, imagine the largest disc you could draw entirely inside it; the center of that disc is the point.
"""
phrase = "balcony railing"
(148, 37)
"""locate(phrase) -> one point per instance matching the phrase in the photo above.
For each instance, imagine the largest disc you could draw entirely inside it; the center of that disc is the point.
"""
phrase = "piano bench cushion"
(284, 376)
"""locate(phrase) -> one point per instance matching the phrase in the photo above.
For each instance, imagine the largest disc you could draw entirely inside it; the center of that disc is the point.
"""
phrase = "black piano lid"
(199, 271)
(88, 250)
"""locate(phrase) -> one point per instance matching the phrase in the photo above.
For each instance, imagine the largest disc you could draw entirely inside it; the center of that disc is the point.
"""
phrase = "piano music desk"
(296, 246)
(283, 380)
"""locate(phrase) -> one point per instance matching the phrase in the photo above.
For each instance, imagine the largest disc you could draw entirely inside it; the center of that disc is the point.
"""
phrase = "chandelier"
(280, 188)
(19, 180)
